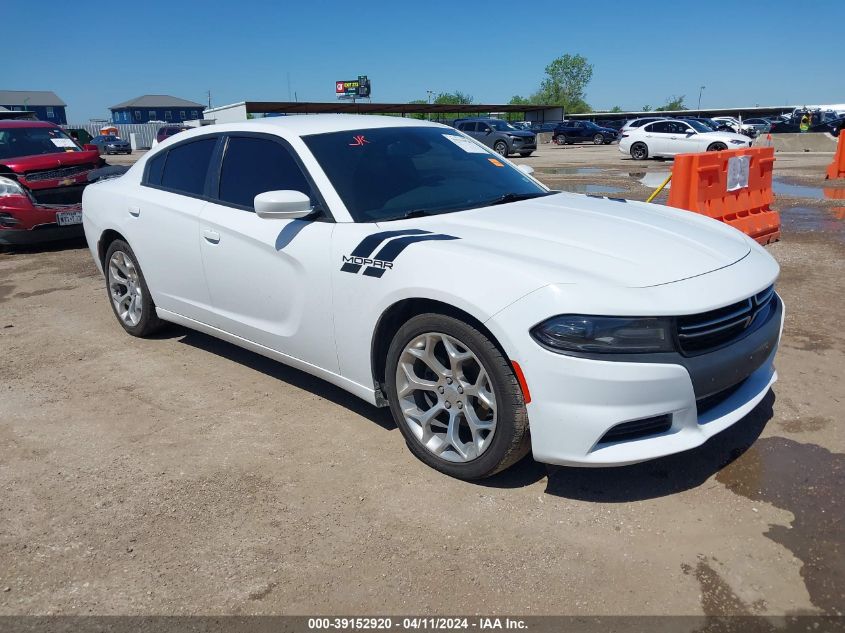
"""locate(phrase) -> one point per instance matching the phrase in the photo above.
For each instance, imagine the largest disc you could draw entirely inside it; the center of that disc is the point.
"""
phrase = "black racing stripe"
(369, 243)
(392, 249)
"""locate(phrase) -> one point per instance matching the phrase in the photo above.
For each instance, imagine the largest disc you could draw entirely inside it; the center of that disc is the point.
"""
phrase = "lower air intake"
(636, 429)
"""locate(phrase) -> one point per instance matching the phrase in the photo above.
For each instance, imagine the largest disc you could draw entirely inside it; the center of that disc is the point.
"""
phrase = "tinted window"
(155, 167)
(662, 127)
(255, 165)
(467, 127)
(187, 165)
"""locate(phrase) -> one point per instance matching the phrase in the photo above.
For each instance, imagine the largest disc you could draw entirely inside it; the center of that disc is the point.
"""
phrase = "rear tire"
(717, 147)
(598, 139)
(525, 154)
(128, 292)
(469, 419)
(639, 151)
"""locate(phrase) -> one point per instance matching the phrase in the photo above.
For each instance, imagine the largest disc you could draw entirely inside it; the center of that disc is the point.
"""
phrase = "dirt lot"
(182, 475)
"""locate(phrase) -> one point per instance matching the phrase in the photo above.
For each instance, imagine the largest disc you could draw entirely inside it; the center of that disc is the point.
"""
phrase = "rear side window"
(255, 165)
(154, 168)
(187, 165)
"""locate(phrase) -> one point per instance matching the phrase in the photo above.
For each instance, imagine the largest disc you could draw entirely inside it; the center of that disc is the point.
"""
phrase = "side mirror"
(525, 169)
(285, 204)
(691, 132)
(488, 131)
(90, 147)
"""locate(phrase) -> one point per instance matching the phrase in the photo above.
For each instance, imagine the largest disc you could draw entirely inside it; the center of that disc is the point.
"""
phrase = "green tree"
(519, 100)
(453, 98)
(646, 108)
(672, 103)
(565, 82)
(616, 109)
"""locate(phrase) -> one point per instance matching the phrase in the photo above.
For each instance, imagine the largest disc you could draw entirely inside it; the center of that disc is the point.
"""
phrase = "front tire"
(525, 154)
(455, 398)
(717, 147)
(129, 295)
(501, 148)
(639, 151)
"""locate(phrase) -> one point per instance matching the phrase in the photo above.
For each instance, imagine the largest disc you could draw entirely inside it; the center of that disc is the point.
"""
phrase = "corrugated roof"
(31, 98)
(157, 101)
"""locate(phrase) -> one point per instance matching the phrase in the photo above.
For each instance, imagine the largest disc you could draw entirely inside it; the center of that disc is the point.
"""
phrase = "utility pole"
(430, 92)
(700, 90)
(209, 99)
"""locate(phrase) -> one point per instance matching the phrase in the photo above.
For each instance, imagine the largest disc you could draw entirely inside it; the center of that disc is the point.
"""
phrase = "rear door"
(269, 278)
(657, 137)
(163, 221)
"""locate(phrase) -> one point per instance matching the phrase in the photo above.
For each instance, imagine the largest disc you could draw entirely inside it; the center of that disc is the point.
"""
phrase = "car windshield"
(391, 173)
(699, 126)
(502, 126)
(109, 138)
(31, 141)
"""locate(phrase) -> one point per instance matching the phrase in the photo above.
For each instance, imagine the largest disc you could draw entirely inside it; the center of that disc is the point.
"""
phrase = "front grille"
(637, 429)
(707, 331)
(59, 195)
(55, 174)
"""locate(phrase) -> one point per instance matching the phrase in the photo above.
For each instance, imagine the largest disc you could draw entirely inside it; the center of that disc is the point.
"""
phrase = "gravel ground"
(182, 475)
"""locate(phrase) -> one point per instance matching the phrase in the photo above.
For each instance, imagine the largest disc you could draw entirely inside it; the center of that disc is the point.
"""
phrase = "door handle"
(211, 236)
(135, 211)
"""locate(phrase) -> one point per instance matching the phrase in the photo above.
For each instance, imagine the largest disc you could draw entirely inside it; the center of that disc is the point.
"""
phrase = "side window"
(154, 169)
(255, 165)
(187, 165)
(661, 127)
(138, 115)
(483, 127)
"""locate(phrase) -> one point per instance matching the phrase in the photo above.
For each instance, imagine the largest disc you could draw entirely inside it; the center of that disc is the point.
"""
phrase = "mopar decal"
(396, 242)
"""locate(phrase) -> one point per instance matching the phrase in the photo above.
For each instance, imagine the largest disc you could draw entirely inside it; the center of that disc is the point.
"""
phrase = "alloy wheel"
(125, 288)
(446, 397)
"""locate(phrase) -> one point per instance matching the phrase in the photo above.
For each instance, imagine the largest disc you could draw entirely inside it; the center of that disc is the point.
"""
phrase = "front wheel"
(455, 398)
(525, 154)
(500, 147)
(598, 139)
(128, 292)
(639, 151)
(717, 147)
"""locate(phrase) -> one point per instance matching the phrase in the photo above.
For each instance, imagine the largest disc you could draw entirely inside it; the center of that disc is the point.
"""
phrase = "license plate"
(66, 218)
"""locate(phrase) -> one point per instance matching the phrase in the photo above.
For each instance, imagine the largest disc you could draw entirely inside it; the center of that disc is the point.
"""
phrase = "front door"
(269, 278)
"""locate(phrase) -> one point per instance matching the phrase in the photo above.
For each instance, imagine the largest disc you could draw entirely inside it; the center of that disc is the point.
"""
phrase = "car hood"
(520, 133)
(24, 164)
(725, 136)
(571, 238)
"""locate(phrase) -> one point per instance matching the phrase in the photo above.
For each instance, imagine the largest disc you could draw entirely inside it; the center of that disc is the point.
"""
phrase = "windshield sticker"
(496, 162)
(465, 144)
(62, 142)
(358, 141)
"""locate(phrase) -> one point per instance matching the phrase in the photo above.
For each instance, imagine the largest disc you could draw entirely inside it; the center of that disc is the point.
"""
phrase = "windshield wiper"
(516, 197)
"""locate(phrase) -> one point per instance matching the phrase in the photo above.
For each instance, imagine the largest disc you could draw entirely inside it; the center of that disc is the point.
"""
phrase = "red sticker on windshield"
(358, 141)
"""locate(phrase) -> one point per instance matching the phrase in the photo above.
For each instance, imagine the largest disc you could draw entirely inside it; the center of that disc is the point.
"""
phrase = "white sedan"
(413, 267)
(676, 136)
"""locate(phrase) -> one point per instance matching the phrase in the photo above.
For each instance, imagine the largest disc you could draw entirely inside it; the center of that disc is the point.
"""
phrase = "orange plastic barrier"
(700, 184)
(837, 167)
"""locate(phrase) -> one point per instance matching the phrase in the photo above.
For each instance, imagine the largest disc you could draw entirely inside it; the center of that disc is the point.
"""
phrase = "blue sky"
(767, 53)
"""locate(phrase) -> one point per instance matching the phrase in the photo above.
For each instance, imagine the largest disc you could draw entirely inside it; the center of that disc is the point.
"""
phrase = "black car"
(110, 144)
(583, 132)
(547, 126)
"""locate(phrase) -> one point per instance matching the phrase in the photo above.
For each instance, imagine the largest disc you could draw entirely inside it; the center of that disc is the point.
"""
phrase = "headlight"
(579, 333)
(9, 187)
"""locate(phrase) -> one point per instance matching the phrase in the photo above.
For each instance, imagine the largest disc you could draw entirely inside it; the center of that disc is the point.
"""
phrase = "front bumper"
(22, 222)
(577, 401)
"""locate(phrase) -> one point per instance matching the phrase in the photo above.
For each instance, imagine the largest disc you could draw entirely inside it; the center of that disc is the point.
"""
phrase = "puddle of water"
(651, 179)
(573, 171)
(780, 187)
(825, 220)
(806, 480)
(578, 187)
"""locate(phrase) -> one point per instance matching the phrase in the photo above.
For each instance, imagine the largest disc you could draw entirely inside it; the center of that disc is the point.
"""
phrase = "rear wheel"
(598, 139)
(500, 147)
(639, 151)
(525, 154)
(455, 398)
(717, 147)
(128, 292)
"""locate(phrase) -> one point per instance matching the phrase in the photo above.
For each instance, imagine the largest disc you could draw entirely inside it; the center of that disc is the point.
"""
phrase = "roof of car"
(14, 123)
(306, 124)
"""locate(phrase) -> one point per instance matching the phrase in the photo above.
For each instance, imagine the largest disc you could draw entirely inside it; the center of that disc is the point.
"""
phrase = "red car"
(42, 175)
